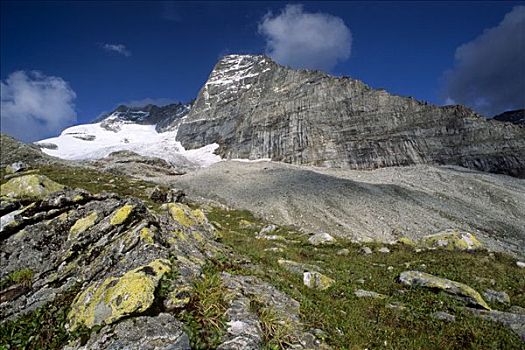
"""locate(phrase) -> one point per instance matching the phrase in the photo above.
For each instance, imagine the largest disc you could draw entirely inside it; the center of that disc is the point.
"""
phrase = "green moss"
(83, 224)
(29, 187)
(23, 276)
(121, 215)
(115, 298)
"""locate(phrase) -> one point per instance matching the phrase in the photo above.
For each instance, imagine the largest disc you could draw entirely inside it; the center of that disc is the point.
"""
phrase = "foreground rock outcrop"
(254, 108)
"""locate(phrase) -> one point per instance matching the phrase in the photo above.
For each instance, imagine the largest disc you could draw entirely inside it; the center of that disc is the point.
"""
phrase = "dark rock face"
(254, 108)
(162, 117)
(515, 117)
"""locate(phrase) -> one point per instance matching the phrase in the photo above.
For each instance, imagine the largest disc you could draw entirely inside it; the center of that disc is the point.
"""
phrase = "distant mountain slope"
(160, 116)
(514, 117)
(129, 130)
(254, 108)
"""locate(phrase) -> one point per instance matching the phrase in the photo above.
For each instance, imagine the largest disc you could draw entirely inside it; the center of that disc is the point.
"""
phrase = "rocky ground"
(382, 204)
(95, 259)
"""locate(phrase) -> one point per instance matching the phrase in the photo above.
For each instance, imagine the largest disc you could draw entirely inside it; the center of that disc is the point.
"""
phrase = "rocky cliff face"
(255, 108)
(515, 117)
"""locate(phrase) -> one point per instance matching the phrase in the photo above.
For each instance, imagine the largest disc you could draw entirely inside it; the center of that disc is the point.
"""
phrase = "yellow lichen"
(29, 186)
(179, 213)
(147, 235)
(121, 215)
(198, 237)
(78, 198)
(115, 298)
(83, 224)
(451, 240)
(199, 216)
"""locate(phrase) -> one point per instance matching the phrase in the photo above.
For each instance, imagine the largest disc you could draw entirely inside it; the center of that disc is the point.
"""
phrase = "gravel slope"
(371, 205)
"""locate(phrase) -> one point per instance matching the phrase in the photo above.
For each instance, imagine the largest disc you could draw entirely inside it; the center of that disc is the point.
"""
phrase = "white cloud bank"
(34, 106)
(306, 40)
(489, 72)
(117, 48)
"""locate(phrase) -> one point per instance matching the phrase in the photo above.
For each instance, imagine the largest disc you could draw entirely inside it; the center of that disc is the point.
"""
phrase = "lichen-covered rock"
(451, 240)
(425, 280)
(162, 332)
(121, 215)
(115, 298)
(83, 224)
(316, 280)
(29, 186)
(321, 238)
(181, 214)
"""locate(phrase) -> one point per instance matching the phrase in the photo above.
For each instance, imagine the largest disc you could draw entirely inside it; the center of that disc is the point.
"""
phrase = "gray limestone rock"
(516, 322)
(254, 108)
(496, 296)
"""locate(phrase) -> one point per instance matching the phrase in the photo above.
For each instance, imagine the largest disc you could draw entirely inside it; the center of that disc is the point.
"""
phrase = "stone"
(451, 240)
(384, 250)
(30, 186)
(515, 322)
(515, 309)
(115, 298)
(361, 293)
(520, 264)
(16, 167)
(343, 252)
(496, 296)
(254, 108)
(161, 332)
(321, 238)
(267, 230)
(178, 298)
(158, 195)
(425, 280)
(316, 280)
(443, 316)
(366, 250)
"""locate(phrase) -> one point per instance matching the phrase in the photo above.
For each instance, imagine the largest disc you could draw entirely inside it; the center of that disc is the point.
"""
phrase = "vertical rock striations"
(254, 108)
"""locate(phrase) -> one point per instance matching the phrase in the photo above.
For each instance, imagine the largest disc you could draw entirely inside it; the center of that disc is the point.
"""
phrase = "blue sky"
(100, 54)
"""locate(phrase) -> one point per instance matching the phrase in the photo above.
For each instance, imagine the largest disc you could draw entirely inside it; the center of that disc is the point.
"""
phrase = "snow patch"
(72, 144)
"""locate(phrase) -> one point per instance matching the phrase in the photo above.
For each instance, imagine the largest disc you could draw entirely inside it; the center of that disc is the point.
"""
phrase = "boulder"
(515, 322)
(316, 280)
(321, 238)
(426, 280)
(451, 240)
(361, 293)
(29, 187)
(117, 297)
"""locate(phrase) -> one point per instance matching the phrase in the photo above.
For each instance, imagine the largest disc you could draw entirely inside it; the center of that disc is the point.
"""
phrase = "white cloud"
(306, 40)
(35, 106)
(489, 71)
(117, 48)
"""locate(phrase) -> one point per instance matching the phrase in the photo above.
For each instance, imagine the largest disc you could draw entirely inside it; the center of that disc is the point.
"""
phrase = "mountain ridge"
(254, 108)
